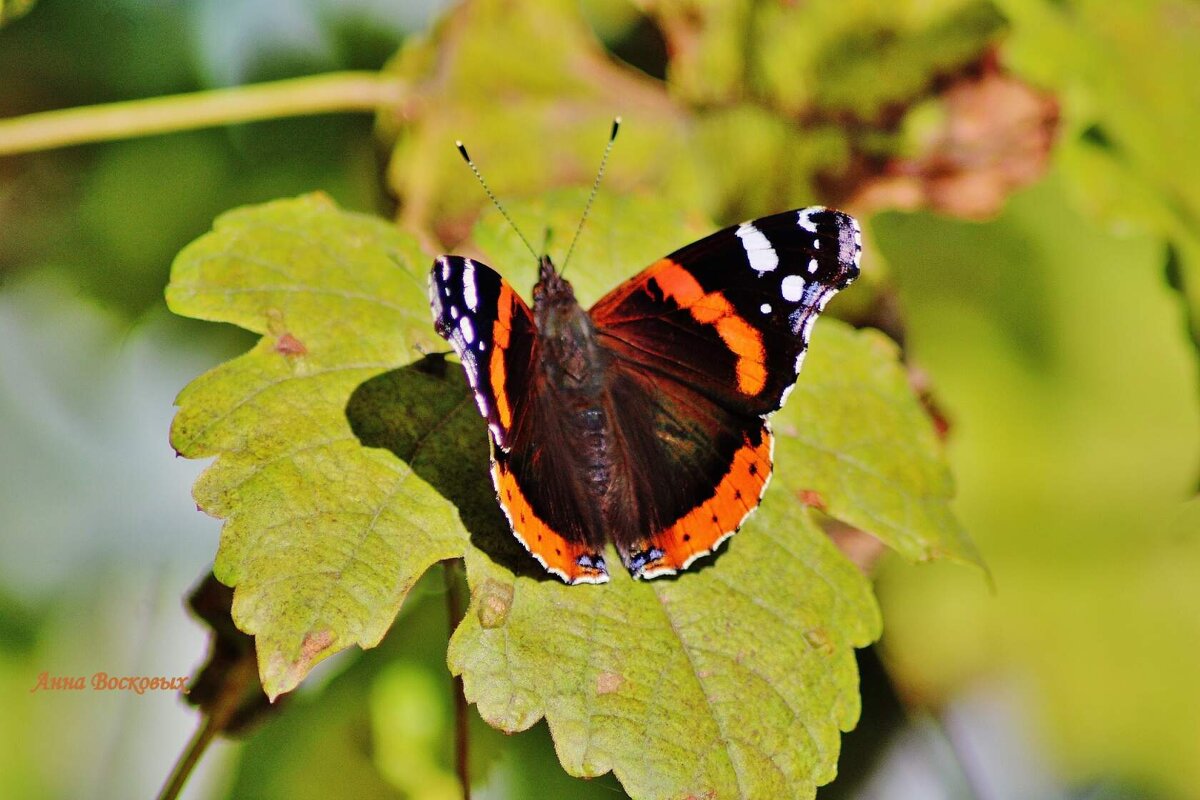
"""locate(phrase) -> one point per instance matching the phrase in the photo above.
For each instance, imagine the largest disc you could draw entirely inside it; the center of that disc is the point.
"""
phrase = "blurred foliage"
(112, 216)
(1072, 390)
(1051, 328)
(1126, 75)
(11, 9)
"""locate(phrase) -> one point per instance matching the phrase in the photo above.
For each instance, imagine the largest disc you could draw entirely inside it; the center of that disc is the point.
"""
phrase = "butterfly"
(643, 421)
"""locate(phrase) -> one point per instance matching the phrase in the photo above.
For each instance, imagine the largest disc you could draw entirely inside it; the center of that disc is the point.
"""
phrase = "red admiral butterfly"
(643, 421)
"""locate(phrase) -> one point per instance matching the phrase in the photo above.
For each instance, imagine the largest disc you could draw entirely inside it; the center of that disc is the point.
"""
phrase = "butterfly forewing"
(492, 330)
(731, 314)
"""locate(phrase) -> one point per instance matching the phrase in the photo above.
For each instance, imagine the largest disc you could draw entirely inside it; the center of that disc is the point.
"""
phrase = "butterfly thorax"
(574, 361)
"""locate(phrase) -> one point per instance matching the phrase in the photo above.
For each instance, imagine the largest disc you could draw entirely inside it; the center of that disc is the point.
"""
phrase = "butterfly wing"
(731, 314)
(493, 332)
(695, 471)
(722, 326)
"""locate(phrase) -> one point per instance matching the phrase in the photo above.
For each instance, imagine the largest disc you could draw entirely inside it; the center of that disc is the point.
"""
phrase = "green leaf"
(347, 466)
(855, 433)
(732, 681)
(323, 537)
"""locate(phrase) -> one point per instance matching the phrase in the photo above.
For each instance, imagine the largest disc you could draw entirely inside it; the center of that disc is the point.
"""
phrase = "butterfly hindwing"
(698, 469)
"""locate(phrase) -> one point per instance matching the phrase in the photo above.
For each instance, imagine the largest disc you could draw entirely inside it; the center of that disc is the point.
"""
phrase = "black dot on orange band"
(687, 537)
(754, 469)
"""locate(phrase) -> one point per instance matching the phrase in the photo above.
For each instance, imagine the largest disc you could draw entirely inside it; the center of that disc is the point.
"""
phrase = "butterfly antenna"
(612, 137)
(462, 149)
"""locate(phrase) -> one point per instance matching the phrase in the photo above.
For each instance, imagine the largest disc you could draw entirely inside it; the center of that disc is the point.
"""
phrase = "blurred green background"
(1030, 185)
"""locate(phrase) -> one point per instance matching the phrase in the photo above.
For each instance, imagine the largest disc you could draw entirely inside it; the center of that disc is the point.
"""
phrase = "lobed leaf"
(347, 465)
(323, 537)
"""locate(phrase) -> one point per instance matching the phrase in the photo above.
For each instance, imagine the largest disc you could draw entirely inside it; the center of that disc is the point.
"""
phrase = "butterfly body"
(643, 421)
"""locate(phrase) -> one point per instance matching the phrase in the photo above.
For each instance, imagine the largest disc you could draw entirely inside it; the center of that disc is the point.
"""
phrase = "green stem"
(318, 94)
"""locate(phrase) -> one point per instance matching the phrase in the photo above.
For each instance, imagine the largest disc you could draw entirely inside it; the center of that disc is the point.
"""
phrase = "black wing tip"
(830, 224)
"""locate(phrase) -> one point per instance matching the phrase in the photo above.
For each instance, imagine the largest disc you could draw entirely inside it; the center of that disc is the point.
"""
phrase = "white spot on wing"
(765, 308)
(812, 266)
(468, 330)
(445, 269)
(806, 219)
(793, 288)
(470, 293)
(759, 252)
(453, 312)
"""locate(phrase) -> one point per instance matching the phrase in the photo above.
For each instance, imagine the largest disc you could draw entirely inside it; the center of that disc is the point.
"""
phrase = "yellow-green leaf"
(323, 537)
(348, 463)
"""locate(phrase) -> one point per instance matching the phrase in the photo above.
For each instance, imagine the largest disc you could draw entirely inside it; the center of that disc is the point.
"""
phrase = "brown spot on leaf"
(812, 498)
(918, 379)
(608, 682)
(315, 643)
(818, 639)
(289, 345)
(281, 675)
(493, 601)
(275, 325)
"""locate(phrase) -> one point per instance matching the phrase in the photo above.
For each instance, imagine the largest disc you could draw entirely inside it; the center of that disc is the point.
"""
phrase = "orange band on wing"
(554, 552)
(497, 373)
(712, 308)
(702, 529)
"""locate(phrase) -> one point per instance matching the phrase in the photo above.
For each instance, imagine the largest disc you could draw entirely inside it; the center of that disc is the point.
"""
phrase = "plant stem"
(227, 703)
(188, 760)
(453, 575)
(318, 94)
